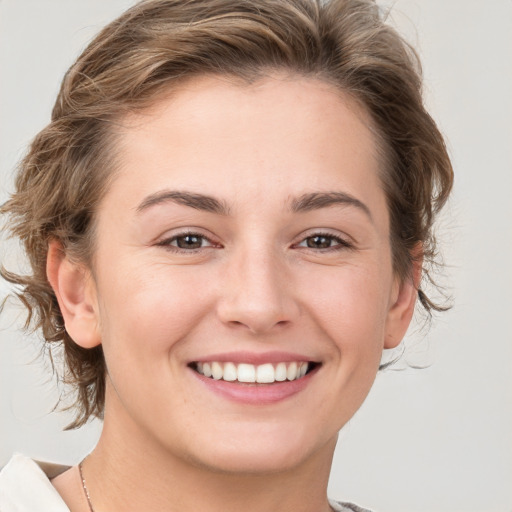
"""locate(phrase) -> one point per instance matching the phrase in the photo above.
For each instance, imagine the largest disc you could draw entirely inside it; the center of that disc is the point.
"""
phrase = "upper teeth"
(243, 372)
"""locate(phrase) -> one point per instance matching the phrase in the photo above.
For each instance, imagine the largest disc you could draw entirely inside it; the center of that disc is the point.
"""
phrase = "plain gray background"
(430, 440)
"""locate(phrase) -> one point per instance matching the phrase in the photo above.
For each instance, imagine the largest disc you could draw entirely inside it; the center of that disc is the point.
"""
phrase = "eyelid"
(165, 241)
(343, 242)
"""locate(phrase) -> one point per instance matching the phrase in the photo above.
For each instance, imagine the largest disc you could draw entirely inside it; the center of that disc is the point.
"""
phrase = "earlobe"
(402, 309)
(75, 292)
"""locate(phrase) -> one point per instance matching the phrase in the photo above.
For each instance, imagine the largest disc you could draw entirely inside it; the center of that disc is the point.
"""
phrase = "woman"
(227, 220)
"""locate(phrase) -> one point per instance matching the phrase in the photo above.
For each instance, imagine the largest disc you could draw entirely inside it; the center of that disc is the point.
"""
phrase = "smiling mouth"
(267, 373)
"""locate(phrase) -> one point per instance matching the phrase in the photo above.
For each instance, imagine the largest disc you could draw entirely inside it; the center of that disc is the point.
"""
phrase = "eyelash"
(341, 243)
(166, 244)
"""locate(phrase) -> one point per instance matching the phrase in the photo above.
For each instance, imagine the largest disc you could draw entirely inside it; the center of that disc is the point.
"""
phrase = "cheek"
(350, 304)
(150, 312)
(145, 321)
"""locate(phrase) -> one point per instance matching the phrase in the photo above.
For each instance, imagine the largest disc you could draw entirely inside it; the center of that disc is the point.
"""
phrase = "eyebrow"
(197, 201)
(317, 200)
(304, 203)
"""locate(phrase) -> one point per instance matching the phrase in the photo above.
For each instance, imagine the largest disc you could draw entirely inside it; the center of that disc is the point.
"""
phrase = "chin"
(251, 462)
(259, 452)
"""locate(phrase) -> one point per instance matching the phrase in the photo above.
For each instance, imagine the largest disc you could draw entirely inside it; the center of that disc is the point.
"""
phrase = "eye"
(324, 241)
(186, 242)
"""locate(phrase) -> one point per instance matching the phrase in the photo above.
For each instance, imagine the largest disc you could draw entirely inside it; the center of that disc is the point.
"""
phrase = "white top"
(25, 487)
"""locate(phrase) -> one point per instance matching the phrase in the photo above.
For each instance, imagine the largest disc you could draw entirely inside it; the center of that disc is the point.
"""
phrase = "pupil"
(189, 242)
(319, 242)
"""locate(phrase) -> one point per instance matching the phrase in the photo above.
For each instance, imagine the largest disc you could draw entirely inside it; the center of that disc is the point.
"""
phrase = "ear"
(76, 293)
(403, 302)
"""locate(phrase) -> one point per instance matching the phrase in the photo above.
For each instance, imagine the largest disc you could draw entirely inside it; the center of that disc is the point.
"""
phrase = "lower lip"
(254, 393)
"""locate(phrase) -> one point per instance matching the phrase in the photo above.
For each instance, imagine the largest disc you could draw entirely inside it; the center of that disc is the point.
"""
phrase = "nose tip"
(259, 314)
(257, 298)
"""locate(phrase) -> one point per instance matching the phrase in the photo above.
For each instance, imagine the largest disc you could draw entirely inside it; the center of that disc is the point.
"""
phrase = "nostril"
(257, 324)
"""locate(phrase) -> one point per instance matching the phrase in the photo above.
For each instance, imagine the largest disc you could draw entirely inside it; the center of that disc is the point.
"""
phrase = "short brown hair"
(158, 43)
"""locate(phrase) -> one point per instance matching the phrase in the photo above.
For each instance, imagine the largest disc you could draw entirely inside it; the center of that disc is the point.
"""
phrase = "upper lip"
(254, 358)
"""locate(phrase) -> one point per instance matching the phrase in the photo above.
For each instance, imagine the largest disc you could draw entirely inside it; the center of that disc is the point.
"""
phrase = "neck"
(129, 471)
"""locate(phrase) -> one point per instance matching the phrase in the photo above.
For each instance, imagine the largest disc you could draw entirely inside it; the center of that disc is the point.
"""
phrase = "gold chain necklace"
(84, 487)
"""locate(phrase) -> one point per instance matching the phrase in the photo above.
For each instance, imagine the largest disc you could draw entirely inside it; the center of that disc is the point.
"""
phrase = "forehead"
(197, 103)
(279, 135)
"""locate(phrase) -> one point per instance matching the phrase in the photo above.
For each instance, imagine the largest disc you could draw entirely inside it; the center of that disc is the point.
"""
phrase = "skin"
(253, 285)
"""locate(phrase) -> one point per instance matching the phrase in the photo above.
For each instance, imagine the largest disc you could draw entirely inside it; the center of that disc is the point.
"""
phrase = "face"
(245, 238)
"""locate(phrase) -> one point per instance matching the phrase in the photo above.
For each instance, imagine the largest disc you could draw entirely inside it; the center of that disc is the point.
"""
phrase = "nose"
(257, 293)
